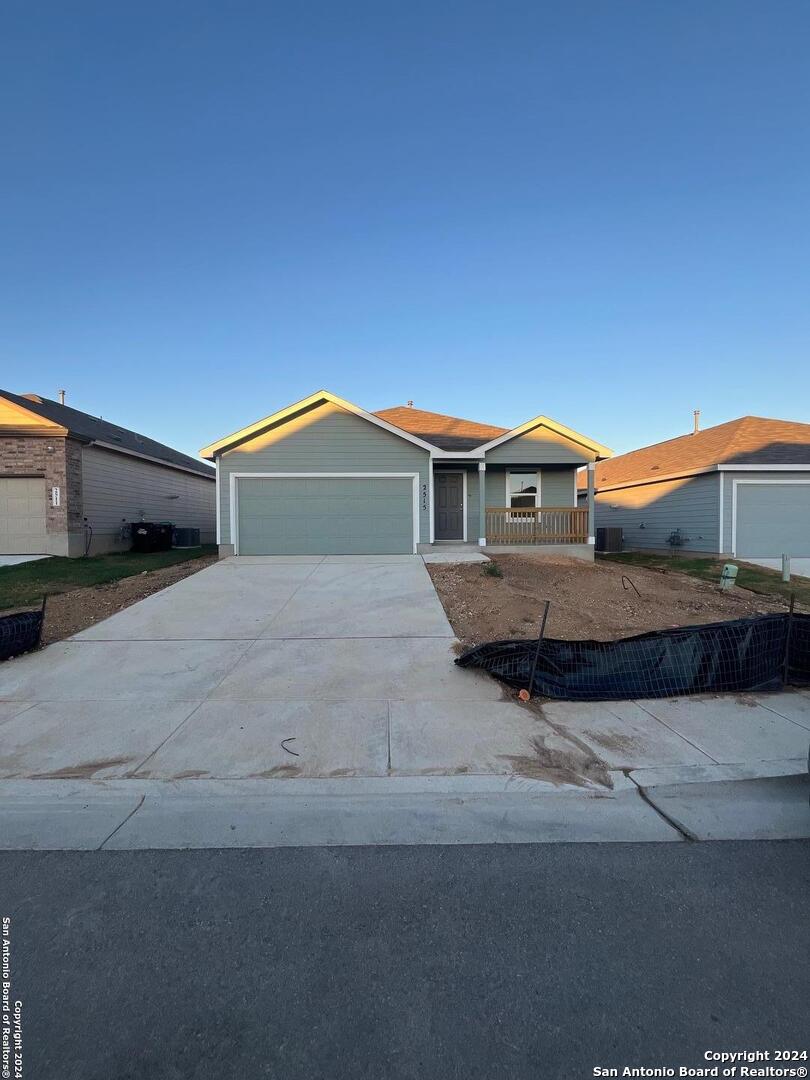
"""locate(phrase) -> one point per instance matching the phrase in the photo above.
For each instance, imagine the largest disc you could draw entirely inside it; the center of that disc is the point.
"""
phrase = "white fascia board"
(552, 425)
(701, 472)
(457, 455)
(763, 468)
(245, 433)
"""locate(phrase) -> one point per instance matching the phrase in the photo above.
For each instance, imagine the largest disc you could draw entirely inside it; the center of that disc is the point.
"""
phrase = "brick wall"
(59, 461)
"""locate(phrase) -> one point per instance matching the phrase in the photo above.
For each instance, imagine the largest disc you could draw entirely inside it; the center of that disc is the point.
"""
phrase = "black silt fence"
(20, 633)
(761, 653)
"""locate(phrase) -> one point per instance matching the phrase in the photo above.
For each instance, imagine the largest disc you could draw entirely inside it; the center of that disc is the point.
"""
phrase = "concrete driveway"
(264, 667)
(172, 723)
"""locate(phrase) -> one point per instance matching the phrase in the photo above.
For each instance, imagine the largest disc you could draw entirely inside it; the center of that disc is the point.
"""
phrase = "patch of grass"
(28, 582)
(491, 569)
(754, 578)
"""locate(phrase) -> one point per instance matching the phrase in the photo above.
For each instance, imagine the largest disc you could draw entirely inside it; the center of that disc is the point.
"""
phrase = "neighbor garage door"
(325, 516)
(22, 517)
(772, 520)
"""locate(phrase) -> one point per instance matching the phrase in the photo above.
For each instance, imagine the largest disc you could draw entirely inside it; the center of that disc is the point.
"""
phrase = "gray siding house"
(324, 476)
(739, 489)
(70, 483)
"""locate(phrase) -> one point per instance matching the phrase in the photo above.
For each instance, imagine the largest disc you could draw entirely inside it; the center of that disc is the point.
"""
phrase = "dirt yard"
(588, 600)
(69, 612)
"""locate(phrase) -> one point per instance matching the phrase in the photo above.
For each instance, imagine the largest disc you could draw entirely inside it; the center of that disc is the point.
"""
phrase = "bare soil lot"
(588, 600)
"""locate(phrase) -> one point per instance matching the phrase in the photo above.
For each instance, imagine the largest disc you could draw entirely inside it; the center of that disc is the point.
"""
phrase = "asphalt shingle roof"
(750, 440)
(446, 432)
(94, 429)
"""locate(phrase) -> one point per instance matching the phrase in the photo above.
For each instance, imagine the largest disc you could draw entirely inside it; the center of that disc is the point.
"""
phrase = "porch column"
(482, 503)
(591, 507)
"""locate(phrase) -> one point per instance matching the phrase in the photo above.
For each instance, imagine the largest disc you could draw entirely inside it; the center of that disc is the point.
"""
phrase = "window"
(522, 489)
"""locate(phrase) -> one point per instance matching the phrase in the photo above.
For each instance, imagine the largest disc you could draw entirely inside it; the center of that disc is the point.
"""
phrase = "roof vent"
(62, 397)
(32, 397)
(409, 404)
(696, 415)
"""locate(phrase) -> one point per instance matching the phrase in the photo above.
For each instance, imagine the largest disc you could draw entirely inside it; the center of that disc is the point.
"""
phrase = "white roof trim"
(245, 433)
(763, 468)
(686, 473)
(552, 425)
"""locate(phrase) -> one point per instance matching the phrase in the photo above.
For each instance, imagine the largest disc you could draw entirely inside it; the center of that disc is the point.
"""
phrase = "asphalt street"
(468, 962)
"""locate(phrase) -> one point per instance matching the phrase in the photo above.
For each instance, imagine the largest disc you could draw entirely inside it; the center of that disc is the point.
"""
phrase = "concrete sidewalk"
(700, 730)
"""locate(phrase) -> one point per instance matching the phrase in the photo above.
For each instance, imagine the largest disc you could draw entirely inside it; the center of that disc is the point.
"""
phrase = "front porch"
(509, 507)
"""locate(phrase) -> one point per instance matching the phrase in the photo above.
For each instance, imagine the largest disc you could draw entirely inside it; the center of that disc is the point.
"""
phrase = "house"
(71, 483)
(324, 476)
(740, 489)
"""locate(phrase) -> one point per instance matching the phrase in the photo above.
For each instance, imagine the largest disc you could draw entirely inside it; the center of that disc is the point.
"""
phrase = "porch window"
(522, 489)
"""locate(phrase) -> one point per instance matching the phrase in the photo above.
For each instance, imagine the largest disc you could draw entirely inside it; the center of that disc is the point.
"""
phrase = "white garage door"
(773, 520)
(22, 516)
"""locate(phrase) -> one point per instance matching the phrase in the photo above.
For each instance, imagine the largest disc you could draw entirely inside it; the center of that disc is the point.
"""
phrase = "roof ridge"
(443, 416)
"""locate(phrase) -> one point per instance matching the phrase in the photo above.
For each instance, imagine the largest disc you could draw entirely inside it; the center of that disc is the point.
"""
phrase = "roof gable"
(18, 417)
(559, 429)
(255, 429)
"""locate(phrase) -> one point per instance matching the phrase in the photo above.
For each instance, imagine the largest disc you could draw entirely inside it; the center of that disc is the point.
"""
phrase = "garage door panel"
(22, 516)
(325, 516)
(773, 519)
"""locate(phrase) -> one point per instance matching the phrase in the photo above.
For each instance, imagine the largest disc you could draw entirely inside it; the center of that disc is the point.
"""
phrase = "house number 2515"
(424, 497)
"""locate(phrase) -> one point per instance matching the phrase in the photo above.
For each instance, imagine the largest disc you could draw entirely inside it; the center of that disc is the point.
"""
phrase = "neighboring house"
(741, 488)
(325, 477)
(71, 483)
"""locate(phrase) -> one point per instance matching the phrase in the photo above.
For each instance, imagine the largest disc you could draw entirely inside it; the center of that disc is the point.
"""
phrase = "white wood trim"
(763, 468)
(552, 425)
(508, 494)
(576, 490)
(219, 503)
(432, 532)
(245, 433)
(700, 472)
(735, 484)
(482, 499)
(538, 500)
(722, 537)
(236, 476)
(463, 501)
(464, 504)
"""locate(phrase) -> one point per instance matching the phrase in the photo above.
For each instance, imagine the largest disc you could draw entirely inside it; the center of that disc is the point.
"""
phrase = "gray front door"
(448, 491)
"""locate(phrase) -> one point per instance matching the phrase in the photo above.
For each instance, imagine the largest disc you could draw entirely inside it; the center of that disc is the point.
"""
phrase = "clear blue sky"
(597, 211)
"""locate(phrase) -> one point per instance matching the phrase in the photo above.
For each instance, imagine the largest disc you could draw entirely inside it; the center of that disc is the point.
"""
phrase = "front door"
(448, 491)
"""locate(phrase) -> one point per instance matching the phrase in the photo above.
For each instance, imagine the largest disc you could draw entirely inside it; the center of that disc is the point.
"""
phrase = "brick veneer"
(59, 461)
